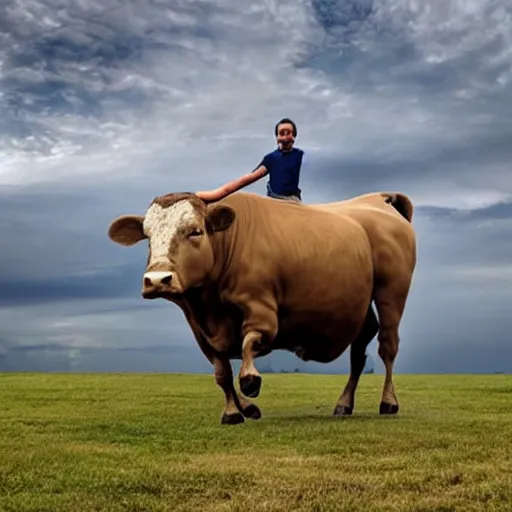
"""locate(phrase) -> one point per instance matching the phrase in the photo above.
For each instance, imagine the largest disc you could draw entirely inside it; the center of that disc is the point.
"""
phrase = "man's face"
(285, 138)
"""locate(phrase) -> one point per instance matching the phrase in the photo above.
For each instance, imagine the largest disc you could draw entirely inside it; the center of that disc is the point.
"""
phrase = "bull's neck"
(223, 246)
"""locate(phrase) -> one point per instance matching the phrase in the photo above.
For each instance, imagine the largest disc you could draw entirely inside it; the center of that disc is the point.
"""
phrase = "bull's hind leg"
(390, 301)
(345, 405)
(235, 408)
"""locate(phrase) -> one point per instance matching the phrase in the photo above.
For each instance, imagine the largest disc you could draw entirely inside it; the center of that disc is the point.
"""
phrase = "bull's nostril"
(166, 280)
(156, 279)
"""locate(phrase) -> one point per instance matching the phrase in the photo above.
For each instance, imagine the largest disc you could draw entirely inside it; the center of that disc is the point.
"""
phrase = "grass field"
(155, 443)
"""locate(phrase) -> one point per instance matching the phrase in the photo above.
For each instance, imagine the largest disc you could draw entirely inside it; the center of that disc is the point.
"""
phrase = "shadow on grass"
(362, 417)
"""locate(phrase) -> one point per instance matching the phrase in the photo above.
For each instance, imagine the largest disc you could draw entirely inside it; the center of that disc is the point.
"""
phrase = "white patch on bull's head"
(161, 225)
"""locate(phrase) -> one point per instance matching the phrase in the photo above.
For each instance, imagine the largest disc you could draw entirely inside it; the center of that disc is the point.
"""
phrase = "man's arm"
(233, 186)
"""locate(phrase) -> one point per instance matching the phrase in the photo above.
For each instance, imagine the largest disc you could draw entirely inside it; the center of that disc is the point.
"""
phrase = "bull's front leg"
(259, 330)
(235, 408)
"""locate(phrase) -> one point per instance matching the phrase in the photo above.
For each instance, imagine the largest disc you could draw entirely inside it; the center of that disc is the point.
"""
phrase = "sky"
(107, 104)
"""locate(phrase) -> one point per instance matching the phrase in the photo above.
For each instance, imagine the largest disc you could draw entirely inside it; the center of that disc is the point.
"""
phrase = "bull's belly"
(321, 338)
(320, 325)
(320, 312)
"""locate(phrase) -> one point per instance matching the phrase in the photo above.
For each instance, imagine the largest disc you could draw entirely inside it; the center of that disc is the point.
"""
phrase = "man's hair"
(283, 121)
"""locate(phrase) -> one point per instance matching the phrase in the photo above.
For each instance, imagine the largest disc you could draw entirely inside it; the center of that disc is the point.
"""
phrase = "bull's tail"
(401, 203)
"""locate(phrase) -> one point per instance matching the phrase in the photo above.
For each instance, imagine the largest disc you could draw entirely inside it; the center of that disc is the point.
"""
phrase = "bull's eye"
(194, 233)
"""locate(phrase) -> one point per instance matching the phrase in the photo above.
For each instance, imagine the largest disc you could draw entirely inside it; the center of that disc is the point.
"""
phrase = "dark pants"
(293, 197)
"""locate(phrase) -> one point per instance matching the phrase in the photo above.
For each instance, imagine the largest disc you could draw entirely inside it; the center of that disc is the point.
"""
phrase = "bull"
(253, 274)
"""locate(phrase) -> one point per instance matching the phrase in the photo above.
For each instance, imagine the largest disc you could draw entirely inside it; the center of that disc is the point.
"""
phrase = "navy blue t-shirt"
(284, 170)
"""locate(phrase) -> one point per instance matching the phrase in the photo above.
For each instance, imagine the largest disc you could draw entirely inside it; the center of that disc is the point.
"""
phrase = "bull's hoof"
(252, 411)
(343, 410)
(232, 419)
(250, 385)
(386, 408)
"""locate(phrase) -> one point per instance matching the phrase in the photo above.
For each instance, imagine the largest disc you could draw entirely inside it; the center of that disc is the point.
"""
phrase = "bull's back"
(305, 247)
(394, 203)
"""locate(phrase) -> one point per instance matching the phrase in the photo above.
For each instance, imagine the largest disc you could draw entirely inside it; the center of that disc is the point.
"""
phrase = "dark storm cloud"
(107, 104)
(57, 236)
(58, 248)
(465, 239)
(436, 81)
(478, 164)
(336, 16)
(115, 282)
(82, 59)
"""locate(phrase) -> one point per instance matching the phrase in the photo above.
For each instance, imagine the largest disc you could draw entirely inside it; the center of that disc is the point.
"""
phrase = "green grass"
(155, 443)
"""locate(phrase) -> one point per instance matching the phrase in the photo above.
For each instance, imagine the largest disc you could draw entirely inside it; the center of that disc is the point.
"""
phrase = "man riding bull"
(282, 165)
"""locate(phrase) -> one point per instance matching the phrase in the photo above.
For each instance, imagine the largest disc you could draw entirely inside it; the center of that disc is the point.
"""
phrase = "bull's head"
(179, 229)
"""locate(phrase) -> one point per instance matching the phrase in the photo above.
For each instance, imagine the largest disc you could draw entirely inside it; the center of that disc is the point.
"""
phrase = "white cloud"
(492, 276)
(446, 31)
(462, 198)
(212, 79)
(238, 63)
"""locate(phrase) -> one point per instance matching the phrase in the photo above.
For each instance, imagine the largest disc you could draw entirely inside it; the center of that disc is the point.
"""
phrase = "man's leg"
(293, 197)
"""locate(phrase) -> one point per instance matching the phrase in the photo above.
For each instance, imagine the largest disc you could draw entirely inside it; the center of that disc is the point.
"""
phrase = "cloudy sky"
(106, 104)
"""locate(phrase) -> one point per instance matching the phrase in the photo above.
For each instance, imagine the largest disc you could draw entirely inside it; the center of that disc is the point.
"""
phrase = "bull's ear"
(127, 230)
(219, 217)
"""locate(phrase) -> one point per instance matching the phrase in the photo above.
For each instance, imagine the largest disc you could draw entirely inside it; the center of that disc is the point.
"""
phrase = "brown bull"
(254, 274)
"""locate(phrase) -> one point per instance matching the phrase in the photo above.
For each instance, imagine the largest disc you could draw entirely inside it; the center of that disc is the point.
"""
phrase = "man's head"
(286, 132)
(178, 228)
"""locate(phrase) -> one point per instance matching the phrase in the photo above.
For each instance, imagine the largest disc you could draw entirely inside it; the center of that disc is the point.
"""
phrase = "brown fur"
(301, 278)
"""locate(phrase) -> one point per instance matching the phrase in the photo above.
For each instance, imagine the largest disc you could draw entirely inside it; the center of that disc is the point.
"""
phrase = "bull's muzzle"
(157, 284)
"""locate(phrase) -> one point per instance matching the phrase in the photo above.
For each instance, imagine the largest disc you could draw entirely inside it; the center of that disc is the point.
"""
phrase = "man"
(282, 165)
